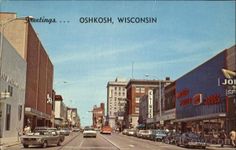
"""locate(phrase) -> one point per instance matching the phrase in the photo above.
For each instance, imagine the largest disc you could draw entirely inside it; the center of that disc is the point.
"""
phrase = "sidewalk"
(9, 143)
(218, 147)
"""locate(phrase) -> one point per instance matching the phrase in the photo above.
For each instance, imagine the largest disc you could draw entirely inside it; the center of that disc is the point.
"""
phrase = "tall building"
(39, 71)
(135, 90)
(12, 92)
(60, 112)
(98, 116)
(73, 117)
(116, 99)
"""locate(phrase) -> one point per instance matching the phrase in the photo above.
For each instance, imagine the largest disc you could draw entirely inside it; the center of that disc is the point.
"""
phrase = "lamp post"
(160, 104)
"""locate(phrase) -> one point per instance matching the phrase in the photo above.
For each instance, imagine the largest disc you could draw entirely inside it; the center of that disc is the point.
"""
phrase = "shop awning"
(205, 117)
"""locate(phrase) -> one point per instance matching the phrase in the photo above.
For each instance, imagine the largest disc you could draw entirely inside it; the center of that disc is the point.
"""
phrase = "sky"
(87, 56)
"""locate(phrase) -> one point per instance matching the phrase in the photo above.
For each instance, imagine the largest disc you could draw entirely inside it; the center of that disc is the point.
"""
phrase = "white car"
(89, 132)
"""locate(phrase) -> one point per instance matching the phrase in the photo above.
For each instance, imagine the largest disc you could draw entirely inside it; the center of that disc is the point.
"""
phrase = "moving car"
(42, 138)
(89, 132)
(106, 130)
(190, 139)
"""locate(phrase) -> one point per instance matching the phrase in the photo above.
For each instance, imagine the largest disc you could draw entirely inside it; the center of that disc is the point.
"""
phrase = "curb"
(220, 148)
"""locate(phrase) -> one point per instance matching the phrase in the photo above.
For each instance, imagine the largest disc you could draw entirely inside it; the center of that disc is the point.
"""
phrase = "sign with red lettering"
(197, 99)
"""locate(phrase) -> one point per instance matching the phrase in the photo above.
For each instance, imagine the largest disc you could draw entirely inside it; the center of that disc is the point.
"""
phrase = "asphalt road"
(104, 142)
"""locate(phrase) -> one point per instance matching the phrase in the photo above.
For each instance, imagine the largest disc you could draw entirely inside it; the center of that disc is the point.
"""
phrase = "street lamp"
(3, 24)
(160, 113)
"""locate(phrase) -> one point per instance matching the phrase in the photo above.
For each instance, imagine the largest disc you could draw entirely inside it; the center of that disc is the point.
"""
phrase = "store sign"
(197, 99)
(229, 82)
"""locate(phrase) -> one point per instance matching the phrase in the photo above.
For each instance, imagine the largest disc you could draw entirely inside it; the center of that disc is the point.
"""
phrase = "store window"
(136, 109)
(8, 116)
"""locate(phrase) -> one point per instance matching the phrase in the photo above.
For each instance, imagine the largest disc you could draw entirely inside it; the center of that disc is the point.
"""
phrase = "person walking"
(223, 137)
(232, 136)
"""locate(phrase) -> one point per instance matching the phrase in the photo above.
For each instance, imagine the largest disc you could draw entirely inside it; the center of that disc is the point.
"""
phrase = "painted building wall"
(201, 82)
(13, 74)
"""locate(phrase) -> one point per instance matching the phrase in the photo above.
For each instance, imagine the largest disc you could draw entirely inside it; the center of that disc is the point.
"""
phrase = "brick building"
(135, 90)
(39, 72)
(98, 116)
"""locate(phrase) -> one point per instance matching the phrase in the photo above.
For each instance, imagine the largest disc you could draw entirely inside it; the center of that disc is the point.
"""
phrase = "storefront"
(202, 103)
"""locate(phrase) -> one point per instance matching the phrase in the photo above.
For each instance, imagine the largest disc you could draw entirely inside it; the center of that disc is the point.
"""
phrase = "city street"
(105, 142)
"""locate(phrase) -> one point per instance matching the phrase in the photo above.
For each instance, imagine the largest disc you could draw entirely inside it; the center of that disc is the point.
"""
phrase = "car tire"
(25, 145)
(45, 144)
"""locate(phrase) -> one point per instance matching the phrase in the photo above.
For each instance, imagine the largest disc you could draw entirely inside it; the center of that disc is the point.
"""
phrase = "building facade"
(135, 90)
(116, 99)
(12, 92)
(39, 73)
(98, 116)
(72, 117)
(60, 112)
(205, 97)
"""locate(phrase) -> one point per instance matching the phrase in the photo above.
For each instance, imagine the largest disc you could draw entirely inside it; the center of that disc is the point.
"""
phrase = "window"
(142, 90)
(119, 88)
(8, 116)
(136, 109)
(10, 90)
(115, 88)
(19, 112)
(137, 99)
(123, 93)
(137, 90)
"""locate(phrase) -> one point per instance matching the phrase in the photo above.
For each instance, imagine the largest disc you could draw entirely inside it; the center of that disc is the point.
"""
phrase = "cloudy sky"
(87, 56)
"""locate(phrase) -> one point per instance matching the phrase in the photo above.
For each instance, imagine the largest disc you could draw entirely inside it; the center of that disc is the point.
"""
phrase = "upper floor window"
(10, 90)
(142, 90)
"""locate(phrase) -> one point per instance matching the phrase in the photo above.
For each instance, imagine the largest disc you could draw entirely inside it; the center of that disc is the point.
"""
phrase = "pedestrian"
(223, 137)
(232, 136)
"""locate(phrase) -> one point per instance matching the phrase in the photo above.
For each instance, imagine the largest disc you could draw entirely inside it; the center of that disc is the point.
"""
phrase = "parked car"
(145, 134)
(191, 140)
(89, 132)
(131, 132)
(42, 138)
(171, 138)
(65, 131)
(106, 130)
(139, 133)
(125, 131)
(158, 135)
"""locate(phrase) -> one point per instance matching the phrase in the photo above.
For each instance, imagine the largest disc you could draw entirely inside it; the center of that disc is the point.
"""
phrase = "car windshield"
(89, 128)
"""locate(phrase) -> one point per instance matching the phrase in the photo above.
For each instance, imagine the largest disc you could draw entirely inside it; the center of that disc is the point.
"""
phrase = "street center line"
(81, 143)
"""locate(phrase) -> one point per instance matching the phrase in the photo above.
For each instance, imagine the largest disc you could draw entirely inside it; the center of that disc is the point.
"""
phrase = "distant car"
(191, 140)
(146, 134)
(65, 131)
(125, 131)
(89, 132)
(140, 133)
(131, 132)
(106, 130)
(158, 135)
(75, 129)
(42, 138)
